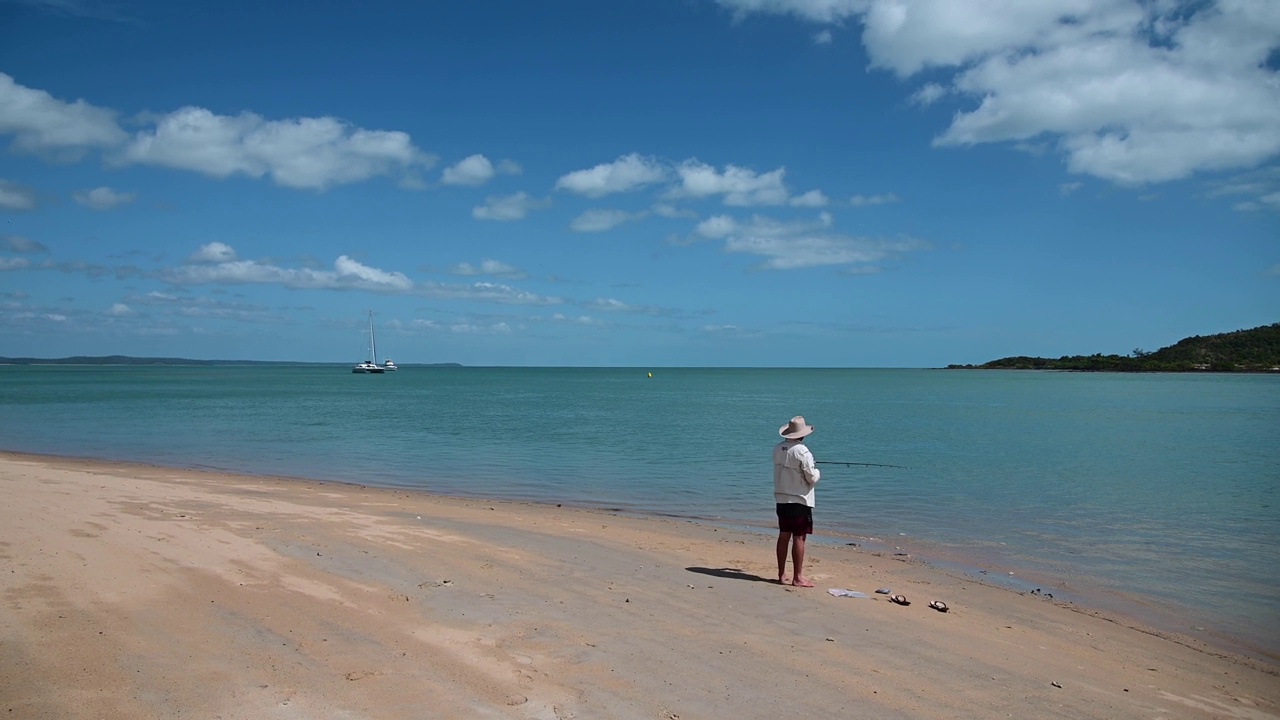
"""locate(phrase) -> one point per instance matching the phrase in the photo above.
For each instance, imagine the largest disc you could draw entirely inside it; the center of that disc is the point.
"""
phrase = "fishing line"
(850, 464)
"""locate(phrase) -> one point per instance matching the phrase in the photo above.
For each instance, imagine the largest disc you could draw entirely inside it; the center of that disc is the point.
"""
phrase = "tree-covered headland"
(1255, 350)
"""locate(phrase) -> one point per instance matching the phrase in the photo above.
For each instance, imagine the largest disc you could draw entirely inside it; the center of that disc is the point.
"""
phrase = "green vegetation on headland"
(127, 360)
(1256, 350)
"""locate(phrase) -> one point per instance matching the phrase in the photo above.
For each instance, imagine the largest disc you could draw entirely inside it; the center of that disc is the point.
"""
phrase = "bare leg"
(797, 562)
(784, 539)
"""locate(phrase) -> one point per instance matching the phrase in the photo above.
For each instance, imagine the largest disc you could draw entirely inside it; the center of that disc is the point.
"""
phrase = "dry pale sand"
(136, 592)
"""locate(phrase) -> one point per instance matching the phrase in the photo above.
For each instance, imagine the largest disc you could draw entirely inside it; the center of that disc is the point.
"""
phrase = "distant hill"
(127, 360)
(1256, 350)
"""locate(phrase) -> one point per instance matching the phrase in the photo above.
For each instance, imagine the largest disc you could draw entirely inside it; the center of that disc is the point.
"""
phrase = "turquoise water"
(1155, 495)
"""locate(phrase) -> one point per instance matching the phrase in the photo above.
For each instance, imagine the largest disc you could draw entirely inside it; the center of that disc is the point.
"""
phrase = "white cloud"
(14, 263)
(120, 310)
(1269, 202)
(739, 186)
(928, 94)
(602, 220)
(473, 170)
(627, 173)
(792, 253)
(488, 267)
(617, 306)
(579, 320)
(509, 207)
(310, 153)
(909, 37)
(487, 292)
(347, 274)
(812, 199)
(822, 11)
(668, 210)
(822, 37)
(729, 331)
(802, 244)
(214, 252)
(870, 200)
(40, 123)
(1261, 186)
(19, 244)
(103, 198)
(716, 227)
(509, 167)
(16, 197)
(1131, 91)
(499, 328)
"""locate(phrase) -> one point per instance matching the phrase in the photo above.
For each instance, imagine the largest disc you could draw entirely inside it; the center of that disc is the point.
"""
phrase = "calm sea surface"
(1156, 495)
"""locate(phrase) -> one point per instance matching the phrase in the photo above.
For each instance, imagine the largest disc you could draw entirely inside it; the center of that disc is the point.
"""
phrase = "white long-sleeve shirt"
(794, 473)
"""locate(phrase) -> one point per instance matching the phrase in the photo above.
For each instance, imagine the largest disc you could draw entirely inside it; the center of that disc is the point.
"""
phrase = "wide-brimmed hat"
(795, 429)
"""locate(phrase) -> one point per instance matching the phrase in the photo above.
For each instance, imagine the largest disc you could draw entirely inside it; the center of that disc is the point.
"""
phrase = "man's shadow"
(730, 573)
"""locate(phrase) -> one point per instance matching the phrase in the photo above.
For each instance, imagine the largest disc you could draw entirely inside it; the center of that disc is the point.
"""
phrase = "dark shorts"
(795, 518)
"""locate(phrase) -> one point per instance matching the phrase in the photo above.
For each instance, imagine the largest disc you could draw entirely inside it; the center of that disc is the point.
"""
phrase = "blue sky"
(854, 183)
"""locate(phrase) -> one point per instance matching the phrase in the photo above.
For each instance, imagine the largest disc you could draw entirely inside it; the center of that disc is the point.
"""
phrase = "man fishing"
(794, 476)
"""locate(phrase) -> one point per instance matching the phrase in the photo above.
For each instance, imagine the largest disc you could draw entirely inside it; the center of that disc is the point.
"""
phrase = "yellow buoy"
(650, 374)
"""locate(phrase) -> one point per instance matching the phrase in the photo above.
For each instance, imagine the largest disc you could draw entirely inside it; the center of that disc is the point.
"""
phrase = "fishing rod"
(850, 464)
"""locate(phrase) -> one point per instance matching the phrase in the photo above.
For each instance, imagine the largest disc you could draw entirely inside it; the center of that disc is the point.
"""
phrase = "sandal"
(900, 600)
(939, 606)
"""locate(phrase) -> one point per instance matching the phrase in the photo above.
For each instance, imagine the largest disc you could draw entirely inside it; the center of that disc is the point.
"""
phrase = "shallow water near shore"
(1152, 495)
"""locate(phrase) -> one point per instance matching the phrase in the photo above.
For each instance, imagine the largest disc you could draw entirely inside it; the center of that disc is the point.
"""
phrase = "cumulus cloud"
(668, 210)
(495, 268)
(812, 199)
(579, 320)
(739, 186)
(487, 292)
(716, 227)
(120, 310)
(1260, 189)
(602, 220)
(928, 94)
(612, 305)
(307, 153)
(508, 207)
(802, 244)
(1125, 90)
(43, 124)
(347, 274)
(103, 198)
(473, 170)
(625, 174)
(16, 197)
(214, 252)
(19, 244)
(821, 11)
(870, 200)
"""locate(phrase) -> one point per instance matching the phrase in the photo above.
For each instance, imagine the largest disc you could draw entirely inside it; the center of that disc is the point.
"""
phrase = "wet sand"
(140, 592)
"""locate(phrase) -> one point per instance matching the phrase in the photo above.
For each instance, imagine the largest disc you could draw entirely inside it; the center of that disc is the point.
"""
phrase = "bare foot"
(782, 580)
(801, 582)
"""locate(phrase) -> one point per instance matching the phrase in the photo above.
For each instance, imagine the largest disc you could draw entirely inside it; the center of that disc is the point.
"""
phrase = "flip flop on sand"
(939, 606)
(900, 600)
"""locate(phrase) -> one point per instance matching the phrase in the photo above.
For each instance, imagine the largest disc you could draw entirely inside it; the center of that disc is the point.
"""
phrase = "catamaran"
(370, 367)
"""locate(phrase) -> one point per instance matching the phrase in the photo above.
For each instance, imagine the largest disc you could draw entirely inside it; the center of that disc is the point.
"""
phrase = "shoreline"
(1130, 611)
(279, 596)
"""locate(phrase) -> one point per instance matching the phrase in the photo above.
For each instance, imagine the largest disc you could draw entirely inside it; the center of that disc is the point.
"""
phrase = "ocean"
(1152, 495)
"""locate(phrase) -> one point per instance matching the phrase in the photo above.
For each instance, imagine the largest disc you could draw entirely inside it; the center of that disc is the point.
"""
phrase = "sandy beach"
(141, 592)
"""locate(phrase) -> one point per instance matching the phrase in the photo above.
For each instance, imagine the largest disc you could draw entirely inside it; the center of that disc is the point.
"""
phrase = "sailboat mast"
(373, 343)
